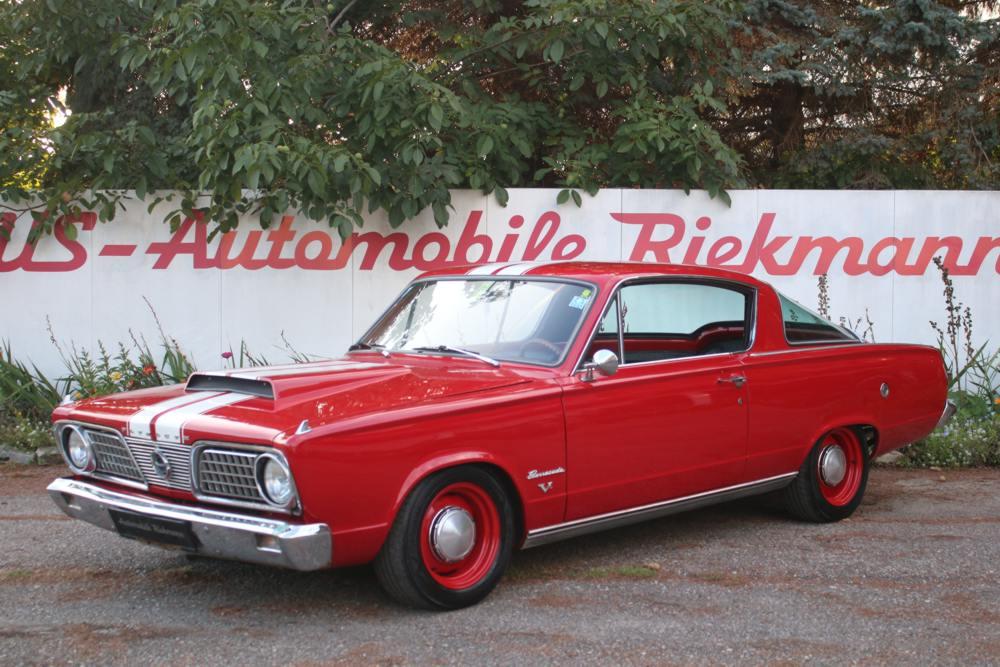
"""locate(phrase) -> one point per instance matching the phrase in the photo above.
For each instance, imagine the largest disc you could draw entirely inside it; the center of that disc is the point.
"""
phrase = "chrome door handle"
(737, 380)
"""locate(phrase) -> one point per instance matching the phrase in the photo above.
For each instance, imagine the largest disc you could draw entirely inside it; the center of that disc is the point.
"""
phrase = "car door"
(672, 421)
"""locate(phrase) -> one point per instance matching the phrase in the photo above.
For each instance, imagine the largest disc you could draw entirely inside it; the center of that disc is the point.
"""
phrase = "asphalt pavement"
(911, 579)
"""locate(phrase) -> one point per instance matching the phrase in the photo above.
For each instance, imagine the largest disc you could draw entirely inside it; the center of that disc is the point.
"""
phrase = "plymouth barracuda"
(502, 407)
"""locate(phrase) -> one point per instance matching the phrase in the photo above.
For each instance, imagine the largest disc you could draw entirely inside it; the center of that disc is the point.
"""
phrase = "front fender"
(356, 482)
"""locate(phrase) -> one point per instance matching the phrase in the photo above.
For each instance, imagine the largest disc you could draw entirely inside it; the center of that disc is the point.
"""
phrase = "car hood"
(260, 404)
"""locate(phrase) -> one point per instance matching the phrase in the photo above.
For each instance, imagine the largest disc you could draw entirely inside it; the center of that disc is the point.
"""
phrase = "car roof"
(593, 271)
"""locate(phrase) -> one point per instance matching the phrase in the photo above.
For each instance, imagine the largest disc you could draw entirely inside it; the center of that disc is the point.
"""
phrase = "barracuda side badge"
(537, 474)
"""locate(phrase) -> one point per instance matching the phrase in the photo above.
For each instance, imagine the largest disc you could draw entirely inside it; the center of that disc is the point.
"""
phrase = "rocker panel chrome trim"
(625, 517)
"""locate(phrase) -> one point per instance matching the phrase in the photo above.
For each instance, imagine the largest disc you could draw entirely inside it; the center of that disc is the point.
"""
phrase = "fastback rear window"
(804, 326)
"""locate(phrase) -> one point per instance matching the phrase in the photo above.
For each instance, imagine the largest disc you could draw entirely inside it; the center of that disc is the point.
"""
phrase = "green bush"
(132, 367)
(972, 438)
(26, 392)
(25, 433)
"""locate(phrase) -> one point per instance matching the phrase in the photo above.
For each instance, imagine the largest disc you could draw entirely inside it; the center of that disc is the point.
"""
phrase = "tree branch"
(336, 19)
(986, 155)
(526, 66)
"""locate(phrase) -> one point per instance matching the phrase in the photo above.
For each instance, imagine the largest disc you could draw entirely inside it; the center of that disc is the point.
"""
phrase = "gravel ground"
(911, 578)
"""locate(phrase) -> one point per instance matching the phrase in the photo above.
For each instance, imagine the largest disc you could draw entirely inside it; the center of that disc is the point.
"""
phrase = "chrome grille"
(113, 457)
(179, 457)
(229, 474)
(221, 474)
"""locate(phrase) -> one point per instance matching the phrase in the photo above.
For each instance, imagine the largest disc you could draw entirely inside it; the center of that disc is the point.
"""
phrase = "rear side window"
(804, 326)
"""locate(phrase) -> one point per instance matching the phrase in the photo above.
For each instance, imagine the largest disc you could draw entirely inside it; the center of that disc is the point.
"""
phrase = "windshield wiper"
(370, 346)
(458, 350)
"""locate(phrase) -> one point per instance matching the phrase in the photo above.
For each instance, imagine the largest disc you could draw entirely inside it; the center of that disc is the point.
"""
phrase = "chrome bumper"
(949, 412)
(219, 534)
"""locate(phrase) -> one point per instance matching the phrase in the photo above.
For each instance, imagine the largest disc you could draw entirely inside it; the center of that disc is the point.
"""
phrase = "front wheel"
(450, 543)
(832, 481)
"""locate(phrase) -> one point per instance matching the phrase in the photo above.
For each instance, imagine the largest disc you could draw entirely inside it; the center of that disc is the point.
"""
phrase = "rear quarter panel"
(798, 394)
(918, 390)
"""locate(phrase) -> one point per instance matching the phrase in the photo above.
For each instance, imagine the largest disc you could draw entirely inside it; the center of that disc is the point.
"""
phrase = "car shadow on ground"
(243, 588)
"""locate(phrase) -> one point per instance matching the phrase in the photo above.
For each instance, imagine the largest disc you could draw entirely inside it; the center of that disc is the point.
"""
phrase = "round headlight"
(78, 450)
(276, 481)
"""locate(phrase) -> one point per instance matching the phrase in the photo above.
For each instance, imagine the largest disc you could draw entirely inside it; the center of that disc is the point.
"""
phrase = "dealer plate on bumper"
(154, 529)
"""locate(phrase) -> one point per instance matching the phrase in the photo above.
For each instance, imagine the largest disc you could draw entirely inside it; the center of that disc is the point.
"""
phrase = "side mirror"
(605, 362)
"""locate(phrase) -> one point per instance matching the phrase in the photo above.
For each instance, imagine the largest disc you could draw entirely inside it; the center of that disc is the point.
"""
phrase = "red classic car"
(502, 407)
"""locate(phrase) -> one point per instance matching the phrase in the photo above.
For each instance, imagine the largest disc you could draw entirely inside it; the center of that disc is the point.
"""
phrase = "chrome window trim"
(832, 346)
(491, 278)
(687, 278)
(62, 424)
(293, 508)
(821, 343)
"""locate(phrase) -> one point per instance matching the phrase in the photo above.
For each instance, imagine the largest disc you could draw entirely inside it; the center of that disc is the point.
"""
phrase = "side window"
(670, 320)
(804, 326)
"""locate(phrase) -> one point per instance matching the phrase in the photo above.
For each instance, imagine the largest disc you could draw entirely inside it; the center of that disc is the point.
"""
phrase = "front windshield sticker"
(580, 302)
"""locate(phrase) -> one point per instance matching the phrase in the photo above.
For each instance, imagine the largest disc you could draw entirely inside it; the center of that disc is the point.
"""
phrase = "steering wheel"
(542, 343)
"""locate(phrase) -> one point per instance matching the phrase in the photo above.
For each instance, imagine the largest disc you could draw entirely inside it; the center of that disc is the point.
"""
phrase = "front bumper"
(219, 534)
(949, 412)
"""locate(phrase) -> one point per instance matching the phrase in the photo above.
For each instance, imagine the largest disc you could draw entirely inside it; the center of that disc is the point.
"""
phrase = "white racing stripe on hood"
(251, 369)
(138, 424)
(170, 426)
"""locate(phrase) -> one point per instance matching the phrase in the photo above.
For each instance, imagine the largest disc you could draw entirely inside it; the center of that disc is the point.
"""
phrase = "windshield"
(529, 321)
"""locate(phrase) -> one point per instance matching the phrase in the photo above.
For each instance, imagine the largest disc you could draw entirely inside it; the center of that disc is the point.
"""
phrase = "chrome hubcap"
(453, 534)
(833, 465)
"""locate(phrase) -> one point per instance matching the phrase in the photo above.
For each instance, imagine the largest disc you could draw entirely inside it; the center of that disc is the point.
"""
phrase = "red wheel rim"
(840, 442)
(475, 565)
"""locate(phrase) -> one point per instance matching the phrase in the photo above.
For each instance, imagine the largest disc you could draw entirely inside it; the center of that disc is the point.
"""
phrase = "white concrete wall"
(93, 288)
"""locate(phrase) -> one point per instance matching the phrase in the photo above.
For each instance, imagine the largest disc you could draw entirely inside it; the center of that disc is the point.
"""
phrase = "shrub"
(973, 436)
(25, 433)
(131, 367)
(28, 396)
(24, 391)
(967, 441)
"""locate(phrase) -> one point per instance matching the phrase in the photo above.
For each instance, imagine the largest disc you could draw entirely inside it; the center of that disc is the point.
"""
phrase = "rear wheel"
(832, 480)
(450, 543)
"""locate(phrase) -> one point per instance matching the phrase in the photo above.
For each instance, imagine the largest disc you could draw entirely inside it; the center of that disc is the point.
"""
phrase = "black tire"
(809, 497)
(402, 565)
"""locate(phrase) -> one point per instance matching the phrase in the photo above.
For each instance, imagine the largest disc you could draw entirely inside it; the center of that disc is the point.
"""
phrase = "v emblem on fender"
(545, 486)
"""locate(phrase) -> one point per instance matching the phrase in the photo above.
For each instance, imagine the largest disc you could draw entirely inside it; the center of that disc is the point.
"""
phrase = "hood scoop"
(236, 385)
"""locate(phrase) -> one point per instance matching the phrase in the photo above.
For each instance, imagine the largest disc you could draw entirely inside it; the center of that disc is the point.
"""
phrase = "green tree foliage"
(336, 108)
(333, 108)
(885, 94)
